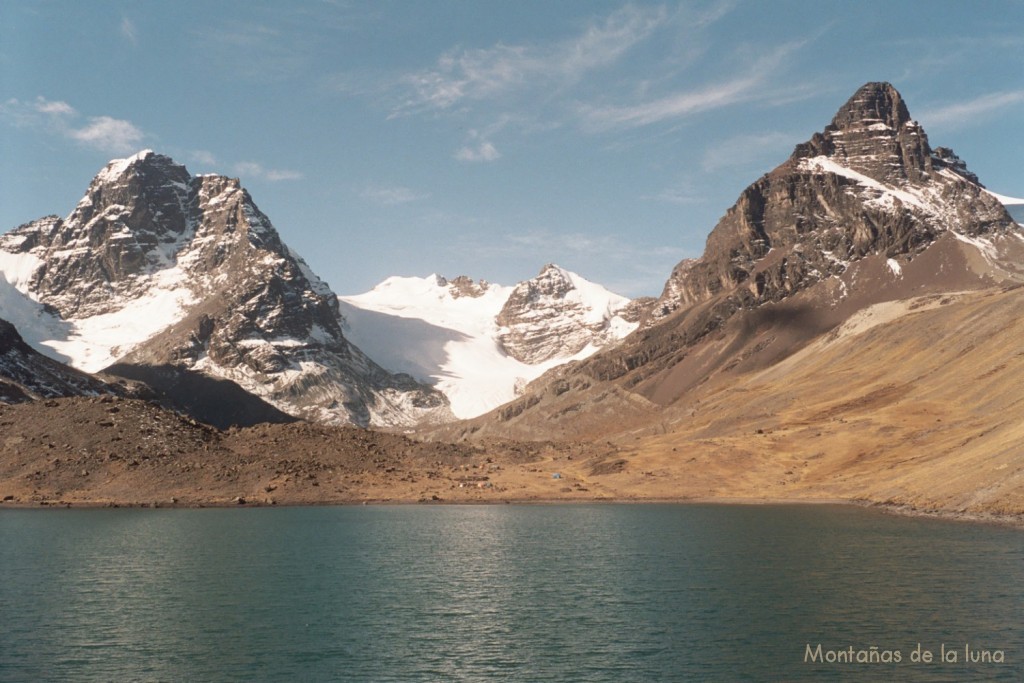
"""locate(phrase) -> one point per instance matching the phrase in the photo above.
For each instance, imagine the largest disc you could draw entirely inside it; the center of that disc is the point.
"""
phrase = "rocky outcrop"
(131, 222)
(868, 184)
(463, 286)
(188, 272)
(550, 315)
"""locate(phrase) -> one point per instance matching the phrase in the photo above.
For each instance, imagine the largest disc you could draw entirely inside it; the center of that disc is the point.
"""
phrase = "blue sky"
(487, 138)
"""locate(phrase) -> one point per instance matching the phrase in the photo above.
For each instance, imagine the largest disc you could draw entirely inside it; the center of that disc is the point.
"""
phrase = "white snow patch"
(116, 168)
(987, 249)
(35, 325)
(1004, 199)
(598, 301)
(18, 269)
(318, 285)
(97, 341)
(33, 322)
(894, 266)
(886, 193)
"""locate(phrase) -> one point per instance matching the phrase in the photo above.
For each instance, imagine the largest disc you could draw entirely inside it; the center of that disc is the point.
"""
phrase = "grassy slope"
(922, 410)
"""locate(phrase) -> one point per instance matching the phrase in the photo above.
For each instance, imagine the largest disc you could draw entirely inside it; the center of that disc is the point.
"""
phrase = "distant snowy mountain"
(1005, 200)
(161, 276)
(1014, 206)
(481, 343)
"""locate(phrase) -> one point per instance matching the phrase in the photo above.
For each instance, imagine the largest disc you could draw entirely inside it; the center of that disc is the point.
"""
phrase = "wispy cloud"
(745, 149)
(482, 151)
(466, 75)
(252, 50)
(744, 87)
(255, 170)
(669, 107)
(639, 268)
(965, 113)
(108, 134)
(683, 193)
(57, 108)
(390, 195)
(541, 246)
(202, 156)
(104, 133)
(128, 30)
(246, 170)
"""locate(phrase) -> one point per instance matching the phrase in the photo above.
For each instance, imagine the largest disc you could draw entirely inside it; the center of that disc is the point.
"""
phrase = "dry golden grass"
(922, 409)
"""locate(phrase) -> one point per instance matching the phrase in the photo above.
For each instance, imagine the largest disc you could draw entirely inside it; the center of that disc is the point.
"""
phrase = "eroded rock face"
(464, 286)
(548, 316)
(130, 222)
(868, 184)
(196, 260)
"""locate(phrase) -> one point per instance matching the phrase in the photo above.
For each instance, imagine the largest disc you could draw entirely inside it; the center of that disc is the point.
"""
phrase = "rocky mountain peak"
(141, 217)
(147, 191)
(463, 285)
(552, 281)
(873, 103)
(863, 213)
(867, 184)
(558, 313)
(160, 269)
(130, 222)
(944, 157)
(874, 134)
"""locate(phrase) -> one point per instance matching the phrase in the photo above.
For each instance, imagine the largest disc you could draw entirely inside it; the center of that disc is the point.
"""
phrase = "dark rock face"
(216, 402)
(199, 256)
(869, 183)
(873, 134)
(129, 222)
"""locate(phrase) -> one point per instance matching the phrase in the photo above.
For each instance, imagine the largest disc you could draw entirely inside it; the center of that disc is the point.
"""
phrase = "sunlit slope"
(916, 402)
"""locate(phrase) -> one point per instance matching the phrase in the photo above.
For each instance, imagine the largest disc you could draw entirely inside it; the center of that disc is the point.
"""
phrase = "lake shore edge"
(896, 509)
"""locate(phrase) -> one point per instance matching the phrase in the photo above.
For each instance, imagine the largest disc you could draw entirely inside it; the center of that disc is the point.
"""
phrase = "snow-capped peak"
(481, 348)
(157, 268)
(116, 168)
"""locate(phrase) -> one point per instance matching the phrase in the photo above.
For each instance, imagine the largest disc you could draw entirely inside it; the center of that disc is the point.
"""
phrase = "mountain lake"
(508, 592)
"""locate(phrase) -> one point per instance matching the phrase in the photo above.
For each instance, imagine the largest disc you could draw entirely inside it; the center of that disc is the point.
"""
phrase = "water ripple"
(544, 593)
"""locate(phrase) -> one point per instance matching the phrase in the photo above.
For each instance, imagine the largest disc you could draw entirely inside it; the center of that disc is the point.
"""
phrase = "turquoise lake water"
(506, 593)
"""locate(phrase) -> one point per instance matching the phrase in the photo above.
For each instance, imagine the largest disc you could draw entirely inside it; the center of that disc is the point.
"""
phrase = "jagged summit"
(873, 103)
(463, 285)
(155, 268)
(874, 134)
(869, 183)
(559, 313)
